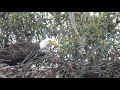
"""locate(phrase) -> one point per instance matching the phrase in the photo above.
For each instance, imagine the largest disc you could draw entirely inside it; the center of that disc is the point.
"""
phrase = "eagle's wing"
(16, 53)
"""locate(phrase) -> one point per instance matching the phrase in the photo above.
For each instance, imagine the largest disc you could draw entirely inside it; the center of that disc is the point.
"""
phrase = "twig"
(6, 67)
(30, 54)
(4, 60)
(13, 66)
(2, 76)
(116, 50)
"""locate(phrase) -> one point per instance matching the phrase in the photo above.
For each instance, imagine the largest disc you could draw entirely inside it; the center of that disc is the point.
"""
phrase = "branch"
(2, 76)
(72, 18)
(79, 38)
(33, 51)
(116, 50)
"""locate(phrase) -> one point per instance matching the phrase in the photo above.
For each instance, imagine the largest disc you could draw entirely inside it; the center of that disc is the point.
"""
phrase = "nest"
(19, 58)
(64, 69)
(25, 70)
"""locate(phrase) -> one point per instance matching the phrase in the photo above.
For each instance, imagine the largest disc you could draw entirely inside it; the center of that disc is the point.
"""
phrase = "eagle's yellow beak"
(54, 43)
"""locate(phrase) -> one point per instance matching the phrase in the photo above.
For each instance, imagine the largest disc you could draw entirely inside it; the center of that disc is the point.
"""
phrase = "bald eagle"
(16, 53)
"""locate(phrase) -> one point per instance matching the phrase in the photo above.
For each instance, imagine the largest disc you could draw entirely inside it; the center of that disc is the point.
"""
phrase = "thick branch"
(72, 18)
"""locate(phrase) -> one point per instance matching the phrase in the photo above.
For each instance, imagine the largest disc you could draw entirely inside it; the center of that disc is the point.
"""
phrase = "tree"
(84, 37)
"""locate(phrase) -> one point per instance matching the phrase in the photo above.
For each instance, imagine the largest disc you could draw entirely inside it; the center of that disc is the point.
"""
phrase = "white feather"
(44, 43)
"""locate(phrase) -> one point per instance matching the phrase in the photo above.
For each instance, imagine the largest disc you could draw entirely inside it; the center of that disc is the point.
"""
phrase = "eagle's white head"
(48, 43)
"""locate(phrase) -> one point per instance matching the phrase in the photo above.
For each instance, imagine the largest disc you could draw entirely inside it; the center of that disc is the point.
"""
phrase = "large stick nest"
(21, 57)
(65, 69)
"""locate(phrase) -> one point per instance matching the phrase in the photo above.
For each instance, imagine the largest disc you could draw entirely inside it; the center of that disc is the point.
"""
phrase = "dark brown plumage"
(16, 53)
